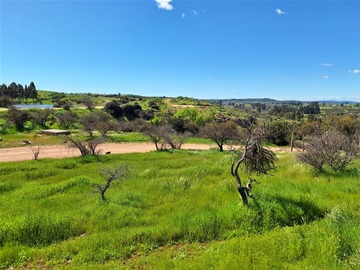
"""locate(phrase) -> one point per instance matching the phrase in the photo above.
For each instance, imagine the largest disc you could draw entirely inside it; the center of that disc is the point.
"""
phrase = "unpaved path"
(63, 151)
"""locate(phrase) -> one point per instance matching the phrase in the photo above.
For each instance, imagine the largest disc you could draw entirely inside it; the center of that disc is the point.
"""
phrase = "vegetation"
(177, 210)
(255, 158)
(331, 148)
(16, 92)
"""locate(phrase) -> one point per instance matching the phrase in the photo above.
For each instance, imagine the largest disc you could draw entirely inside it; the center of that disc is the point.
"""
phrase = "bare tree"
(36, 152)
(332, 148)
(88, 102)
(157, 135)
(110, 176)
(88, 147)
(221, 132)
(254, 157)
(176, 139)
(89, 123)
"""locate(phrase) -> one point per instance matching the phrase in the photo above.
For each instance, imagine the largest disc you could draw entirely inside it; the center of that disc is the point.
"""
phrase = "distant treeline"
(16, 92)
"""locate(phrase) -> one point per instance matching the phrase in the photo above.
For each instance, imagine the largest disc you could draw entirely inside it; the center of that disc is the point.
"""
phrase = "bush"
(332, 148)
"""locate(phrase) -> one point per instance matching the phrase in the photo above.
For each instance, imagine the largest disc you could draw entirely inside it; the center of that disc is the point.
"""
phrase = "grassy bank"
(177, 210)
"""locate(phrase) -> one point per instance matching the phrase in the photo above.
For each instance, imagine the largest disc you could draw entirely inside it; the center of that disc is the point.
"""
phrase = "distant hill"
(270, 100)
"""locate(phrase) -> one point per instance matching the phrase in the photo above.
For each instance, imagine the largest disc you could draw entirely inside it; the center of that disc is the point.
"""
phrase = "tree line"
(16, 92)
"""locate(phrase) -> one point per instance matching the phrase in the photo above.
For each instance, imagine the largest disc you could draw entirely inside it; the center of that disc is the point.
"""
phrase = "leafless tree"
(110, 176)
(157, 135)
(36, 152)
(87, 147)
(89, 103)
(220, 132)
(254, 157)
(176, 139)
(99, 120)
(89, 123)
(331, 147)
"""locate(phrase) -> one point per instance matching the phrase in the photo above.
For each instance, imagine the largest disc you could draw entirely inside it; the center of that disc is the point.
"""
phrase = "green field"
(177, 210)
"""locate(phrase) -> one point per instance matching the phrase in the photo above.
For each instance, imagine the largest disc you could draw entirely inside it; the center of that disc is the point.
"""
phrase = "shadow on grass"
(281, 211)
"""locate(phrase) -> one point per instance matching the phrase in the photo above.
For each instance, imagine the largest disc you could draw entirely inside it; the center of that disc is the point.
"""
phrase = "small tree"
(89, 103)
(157, 135)
(332, 148)
(176, 139)
(88, 147)
(67, 119)
(221, 132)
(254, 157)
(110, 176)
(114, 109)
(89, 123)
(36, 152)
(18, 118)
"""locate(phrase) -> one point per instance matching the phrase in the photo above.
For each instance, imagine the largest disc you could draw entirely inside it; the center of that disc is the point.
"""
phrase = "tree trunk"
(243, 195)
(292, 141)
(221, 147)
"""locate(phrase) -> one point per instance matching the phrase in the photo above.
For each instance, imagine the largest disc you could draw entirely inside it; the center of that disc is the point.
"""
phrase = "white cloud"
(195, 12)
(183, 15)
(327, 64)
(280, 12)
(325, 77)
(164, 4)
(354, 71)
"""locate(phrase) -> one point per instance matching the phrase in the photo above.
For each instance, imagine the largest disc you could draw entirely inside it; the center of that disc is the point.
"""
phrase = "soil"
(63, 151)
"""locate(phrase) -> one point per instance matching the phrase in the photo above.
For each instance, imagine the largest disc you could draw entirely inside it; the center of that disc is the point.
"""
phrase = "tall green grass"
(178, 209)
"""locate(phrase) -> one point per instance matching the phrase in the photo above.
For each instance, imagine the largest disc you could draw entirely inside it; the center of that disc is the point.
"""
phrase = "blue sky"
(306, 50)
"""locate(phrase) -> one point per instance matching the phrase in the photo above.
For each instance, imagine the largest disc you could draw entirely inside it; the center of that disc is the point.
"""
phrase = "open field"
(177, 210)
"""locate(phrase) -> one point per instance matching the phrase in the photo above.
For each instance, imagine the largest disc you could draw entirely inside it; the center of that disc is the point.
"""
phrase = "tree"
(175, 139)
(88, 102)
(87, 147)
(40, 117)
(36, 152)
(32, 91)
(279, 132)
(221, 132)
(254, 157)
(100, 121)
(89, 123)
(18, 118)
(110, 176)
(331, 148)
(67, 119)
(157, 135)
(114, 109)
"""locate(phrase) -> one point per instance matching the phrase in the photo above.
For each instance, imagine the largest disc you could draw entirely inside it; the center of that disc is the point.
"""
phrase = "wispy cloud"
(327, 64)
(183, 15)
(354, 71)
(325, 77)
(280, 12)
(195, 12)
(164, 4)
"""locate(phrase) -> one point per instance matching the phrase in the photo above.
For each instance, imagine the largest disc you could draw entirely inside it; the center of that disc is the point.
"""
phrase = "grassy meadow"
(177, 210)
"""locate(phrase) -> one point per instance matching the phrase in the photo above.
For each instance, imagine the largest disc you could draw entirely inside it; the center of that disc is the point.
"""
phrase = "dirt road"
(63, 151)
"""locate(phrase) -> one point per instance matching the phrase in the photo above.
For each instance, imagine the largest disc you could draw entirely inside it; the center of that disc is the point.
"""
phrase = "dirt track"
(62, 151)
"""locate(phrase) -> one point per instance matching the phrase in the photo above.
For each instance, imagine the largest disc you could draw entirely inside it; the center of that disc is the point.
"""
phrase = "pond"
(34, 106)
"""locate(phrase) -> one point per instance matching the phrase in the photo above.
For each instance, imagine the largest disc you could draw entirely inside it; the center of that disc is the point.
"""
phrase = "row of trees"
(16, 92)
